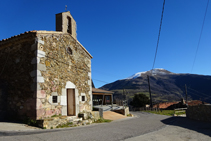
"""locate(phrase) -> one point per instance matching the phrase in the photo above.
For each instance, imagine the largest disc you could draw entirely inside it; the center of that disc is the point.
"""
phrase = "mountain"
(165, 86)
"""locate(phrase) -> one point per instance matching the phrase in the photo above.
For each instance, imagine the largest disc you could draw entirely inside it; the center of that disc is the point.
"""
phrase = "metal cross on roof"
(65, 7)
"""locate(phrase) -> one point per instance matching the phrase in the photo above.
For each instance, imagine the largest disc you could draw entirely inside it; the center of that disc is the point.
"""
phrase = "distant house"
(165, 105)
(177, 104)
(102, 97)
(45, 73)
(196, 102)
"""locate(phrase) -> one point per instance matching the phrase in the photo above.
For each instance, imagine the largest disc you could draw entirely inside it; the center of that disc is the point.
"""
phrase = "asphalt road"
(130, 129)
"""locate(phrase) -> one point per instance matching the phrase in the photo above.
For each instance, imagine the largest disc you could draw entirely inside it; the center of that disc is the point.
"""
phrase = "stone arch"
(70, 85)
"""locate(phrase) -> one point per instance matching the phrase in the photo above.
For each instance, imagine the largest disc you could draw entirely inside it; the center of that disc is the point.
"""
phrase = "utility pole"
(127, 98)
(186, 94)
(126, 95)
(123, 97)
(149, 92)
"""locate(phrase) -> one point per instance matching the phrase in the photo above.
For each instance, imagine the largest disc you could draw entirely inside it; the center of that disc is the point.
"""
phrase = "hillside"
(165, 86)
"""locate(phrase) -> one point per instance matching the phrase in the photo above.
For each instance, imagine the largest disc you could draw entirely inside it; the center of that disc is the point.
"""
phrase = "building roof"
(19, 36)
(25, 34)
(95, 90)
(195, 102)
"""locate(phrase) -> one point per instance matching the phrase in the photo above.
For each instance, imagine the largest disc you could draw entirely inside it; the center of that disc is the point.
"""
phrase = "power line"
(104, 73)
(158, 35)
(48, 57)
(100, 81)
(200, 96)
(200, 36)
(198, 92)
(195, 94)
(74, 67)
(156, 53)
(205, 98)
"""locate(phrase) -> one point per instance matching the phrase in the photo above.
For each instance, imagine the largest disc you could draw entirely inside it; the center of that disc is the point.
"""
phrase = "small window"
(69, 51)
(69, 26)
(54, 99)
(83, 98)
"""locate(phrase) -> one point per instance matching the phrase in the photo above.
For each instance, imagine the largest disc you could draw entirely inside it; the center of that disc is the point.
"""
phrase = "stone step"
(77, 119)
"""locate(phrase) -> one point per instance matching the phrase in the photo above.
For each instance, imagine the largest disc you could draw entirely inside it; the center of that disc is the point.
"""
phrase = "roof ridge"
(26, 32)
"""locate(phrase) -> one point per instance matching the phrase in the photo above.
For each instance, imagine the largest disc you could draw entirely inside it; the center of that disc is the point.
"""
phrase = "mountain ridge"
(165, 85)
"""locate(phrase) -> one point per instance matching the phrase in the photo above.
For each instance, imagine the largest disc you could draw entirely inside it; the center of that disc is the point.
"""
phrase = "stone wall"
(95, 115)
(62, 23)
(63, 121)
(53, 122)
(17, 96)
(38, 65)
(63, 63)
(124, 111)
(199, 112)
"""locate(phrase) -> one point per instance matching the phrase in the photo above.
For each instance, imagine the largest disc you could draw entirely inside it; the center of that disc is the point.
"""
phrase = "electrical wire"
(198, 92)
(200, 36)
(104, 73)
(201, 96)
(205, 98)
(51, 58)
(100, 81)
(158, 35)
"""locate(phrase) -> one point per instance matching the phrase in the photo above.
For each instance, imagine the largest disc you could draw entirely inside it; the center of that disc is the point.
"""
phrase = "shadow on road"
(10, 121)
(198, 126)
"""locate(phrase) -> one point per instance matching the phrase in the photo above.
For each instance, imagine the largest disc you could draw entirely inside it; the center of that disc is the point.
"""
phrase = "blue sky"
(121, 35)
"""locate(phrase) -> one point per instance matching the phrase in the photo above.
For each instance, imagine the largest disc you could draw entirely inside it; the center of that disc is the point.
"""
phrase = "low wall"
(100, 111)
(53, 122)
(95, 115)
(124, 112)
(199, 112)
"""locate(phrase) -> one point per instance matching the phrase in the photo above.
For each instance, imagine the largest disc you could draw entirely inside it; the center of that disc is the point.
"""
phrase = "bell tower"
(66, 23)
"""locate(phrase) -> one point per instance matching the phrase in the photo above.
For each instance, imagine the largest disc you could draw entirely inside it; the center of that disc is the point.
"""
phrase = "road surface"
(145, 126)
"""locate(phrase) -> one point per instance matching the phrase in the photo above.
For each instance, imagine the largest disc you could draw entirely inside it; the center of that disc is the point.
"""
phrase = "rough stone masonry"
(38, 68)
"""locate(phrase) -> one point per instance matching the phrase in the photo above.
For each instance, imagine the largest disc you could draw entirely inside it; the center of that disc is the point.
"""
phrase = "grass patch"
(180, 113)
(166, 112)
(129, 115)
(102, 120)
(56, 115)
(65, 125)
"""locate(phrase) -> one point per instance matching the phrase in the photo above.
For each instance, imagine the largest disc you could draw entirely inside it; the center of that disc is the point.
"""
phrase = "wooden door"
(70, 102)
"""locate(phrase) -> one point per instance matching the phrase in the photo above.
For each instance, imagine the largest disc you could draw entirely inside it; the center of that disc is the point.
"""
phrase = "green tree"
(139, 100)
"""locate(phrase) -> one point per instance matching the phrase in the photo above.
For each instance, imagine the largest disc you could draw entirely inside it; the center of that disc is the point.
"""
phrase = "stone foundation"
(54, 122)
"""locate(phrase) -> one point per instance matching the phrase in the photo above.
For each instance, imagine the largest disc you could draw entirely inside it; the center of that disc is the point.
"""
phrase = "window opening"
(83, 98)
(69, 26)
(69, 51)
(54, 99)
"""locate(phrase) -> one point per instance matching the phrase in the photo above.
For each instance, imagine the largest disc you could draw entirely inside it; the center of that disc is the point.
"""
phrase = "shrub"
(139, 100)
